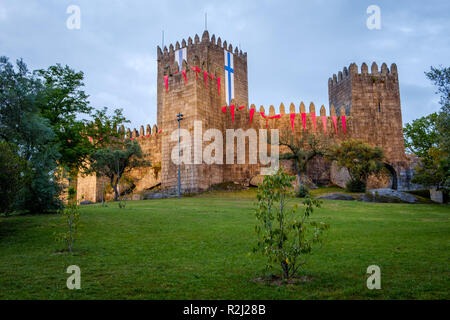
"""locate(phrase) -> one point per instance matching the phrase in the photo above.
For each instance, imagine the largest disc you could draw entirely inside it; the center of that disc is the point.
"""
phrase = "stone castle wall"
(370, 103)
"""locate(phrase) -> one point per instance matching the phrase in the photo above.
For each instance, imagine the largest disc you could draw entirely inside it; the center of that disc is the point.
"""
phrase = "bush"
(355, 186)
(302, 192)
(361, 160)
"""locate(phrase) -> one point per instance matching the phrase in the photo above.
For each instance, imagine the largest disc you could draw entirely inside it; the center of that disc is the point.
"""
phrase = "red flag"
(224, 109)
(232, 113)
(343, 123)
(197, 70)
(292, 121)
(334, 122)
(166, 81)
(324, 122)
(211, 76)
(160, 130)
(278, 116)
(205, 74)
(252, 112)
(313, 116)
(242, 107)
(184, 75)
(218, 86)
(304, 120)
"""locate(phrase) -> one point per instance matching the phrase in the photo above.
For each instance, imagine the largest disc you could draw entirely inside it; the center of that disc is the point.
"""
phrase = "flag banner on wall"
(343, 123)
(197, 70)
(292, 121)
(211, 76)
(334, 122)
(278, 116)
(304, 121)
(313, 116)
(229, 77)
(252, 112)
(218, 86)
(324, 122)
(232, 113)
(224, 109)
(180, 55)
(166, 81)
(184, 75)
(205, 74)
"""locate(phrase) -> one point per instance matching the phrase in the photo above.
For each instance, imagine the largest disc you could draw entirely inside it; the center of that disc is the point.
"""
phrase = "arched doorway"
(393, 174)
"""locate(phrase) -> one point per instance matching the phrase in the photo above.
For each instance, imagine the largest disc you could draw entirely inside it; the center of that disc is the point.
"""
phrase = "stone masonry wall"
(370, 103)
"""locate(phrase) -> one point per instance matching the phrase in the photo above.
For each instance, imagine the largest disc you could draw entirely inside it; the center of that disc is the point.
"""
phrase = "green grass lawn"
(200, 248)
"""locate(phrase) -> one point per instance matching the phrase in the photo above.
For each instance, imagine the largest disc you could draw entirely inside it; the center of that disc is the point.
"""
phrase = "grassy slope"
(199, 248)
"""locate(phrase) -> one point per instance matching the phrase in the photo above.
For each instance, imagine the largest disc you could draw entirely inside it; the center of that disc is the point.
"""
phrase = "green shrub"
(302, 192)
(355, 186)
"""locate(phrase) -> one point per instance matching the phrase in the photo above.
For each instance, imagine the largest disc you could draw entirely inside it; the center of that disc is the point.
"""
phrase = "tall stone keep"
(373, 100)
(198, 99)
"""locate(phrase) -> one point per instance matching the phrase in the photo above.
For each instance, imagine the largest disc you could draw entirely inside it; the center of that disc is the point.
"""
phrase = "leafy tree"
(360, 159)
(421, 135)
(22, 125)
(12, 168)
(104, 128)
(302, 150)
(434, 169)
(116, 159)
(285, 237)
(62, 102)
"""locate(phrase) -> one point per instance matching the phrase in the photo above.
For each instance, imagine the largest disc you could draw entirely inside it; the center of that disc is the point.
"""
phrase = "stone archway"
(393, 174)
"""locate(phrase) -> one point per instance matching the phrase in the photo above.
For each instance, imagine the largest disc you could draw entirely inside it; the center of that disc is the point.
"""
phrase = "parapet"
(205, 40)
(352, 70)
(150, 132)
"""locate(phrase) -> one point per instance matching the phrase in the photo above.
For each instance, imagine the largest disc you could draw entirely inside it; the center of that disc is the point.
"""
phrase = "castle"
(198, 77)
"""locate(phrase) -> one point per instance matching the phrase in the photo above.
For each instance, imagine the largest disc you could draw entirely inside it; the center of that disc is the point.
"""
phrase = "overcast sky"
(293, 47)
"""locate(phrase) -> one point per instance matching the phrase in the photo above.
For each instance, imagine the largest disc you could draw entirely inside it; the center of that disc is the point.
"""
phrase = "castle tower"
(373, 100)
(197, 100)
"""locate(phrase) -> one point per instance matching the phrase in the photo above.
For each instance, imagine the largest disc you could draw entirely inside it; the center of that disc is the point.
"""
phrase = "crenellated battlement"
(347, 73)
(168, 53)
(129, 133)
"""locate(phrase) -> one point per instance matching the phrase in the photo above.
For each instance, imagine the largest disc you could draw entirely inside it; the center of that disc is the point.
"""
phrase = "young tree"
(302, 150)
(285, 237)
(115, 160)
(360, 159)
(71, 218)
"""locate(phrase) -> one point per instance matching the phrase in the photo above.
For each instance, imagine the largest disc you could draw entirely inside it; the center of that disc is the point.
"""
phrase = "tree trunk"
(285, 268)
(116, 192)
